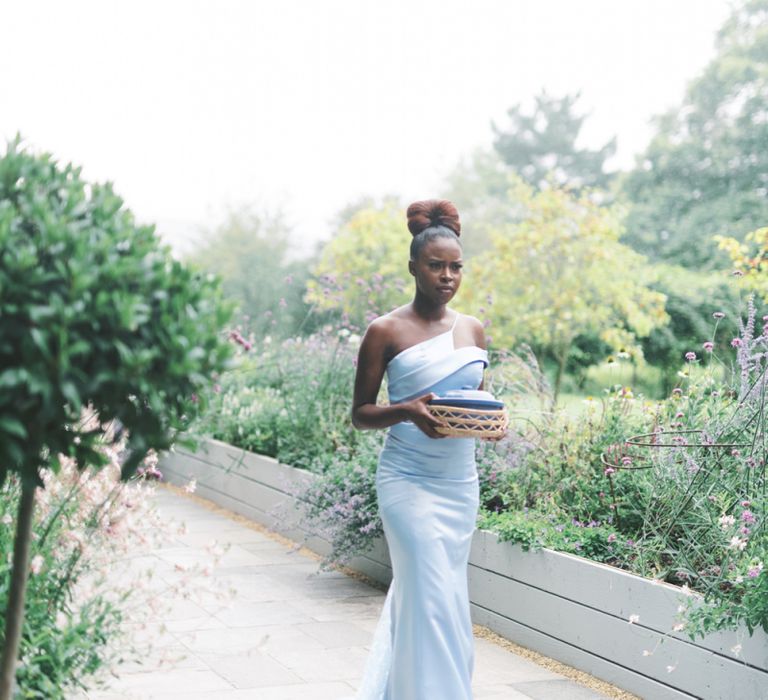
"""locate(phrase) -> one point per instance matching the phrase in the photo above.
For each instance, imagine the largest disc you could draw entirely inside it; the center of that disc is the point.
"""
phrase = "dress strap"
(455, 321)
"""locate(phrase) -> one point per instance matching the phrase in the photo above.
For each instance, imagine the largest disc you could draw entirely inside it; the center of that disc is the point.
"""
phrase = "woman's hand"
(419, 415)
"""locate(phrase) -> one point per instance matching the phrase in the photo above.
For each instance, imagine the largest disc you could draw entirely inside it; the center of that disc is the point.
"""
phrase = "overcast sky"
(193, 106)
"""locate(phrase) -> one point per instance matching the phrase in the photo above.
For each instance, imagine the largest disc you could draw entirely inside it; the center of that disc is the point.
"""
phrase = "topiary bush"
(96, 316)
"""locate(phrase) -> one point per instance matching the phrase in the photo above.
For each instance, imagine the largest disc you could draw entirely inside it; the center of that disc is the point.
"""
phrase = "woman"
(427, 485)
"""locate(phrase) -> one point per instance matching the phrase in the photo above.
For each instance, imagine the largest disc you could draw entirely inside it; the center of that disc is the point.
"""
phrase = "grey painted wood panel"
(539, 641)
(608, 589)
(610, 637)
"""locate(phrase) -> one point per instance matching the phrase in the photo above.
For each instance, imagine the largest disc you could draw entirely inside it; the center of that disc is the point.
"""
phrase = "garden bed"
(566, 607)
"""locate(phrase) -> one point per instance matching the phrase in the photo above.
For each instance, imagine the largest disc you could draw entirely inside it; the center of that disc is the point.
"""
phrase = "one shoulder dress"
(428, 497)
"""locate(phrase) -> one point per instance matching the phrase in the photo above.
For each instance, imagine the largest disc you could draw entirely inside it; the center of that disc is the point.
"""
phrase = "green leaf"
(13, 426)
(71, 394)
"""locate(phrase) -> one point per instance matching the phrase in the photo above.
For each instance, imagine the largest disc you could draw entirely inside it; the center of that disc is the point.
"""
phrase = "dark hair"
(430, 219)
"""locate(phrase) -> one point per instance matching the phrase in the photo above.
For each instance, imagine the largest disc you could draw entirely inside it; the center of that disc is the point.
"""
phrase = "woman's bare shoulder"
(385, 328)
(476, 327)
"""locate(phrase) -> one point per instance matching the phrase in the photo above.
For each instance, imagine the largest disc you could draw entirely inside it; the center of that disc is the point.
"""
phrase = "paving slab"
(265, 624)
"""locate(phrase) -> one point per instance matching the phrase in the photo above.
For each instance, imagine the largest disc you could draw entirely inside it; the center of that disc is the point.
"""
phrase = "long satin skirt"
(428, 523)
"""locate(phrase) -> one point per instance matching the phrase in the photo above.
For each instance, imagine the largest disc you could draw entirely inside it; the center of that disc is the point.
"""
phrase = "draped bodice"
(433, 365)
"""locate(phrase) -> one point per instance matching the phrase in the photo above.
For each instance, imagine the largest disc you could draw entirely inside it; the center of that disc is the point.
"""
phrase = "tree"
(705, 172)
(251, 253)
(750, 259)
(363, 269)
(560, 274)
(542, 144)
(488, 195)
(94, 315)
(692, 298)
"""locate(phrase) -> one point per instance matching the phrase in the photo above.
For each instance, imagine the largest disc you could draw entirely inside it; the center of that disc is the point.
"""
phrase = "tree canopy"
(542, 144)
(705, 172)
(251, 253)
(363, 270)
(562, 273)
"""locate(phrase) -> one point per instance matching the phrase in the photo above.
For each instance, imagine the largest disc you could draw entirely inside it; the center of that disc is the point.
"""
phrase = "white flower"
(736, 649)
(737, 543)
(679, 627)
(191, 486)
(647, 652)
(36, 565)
(7, 519)
(354, 339)
(634, 618)
(671, 668)
(726, 521)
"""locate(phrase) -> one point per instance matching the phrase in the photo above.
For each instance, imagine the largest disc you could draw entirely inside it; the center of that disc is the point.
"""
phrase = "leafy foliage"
(542, 145)
(251, 253)
(363, 269)
(289, 400)
(705, 172)
(93, 312)
(750, 260)
(488, 194)
(560, 274)
(74, 623)
(691, 300)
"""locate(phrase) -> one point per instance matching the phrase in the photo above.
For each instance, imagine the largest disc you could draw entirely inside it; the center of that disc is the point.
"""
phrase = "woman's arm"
(366, 414)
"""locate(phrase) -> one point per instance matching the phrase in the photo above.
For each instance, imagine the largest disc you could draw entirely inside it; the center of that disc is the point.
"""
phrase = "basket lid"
(468, 398)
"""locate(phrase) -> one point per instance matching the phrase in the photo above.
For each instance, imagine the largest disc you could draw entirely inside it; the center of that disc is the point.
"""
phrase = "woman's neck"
(427, 309)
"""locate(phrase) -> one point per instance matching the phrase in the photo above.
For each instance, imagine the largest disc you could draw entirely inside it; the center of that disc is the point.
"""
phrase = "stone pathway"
(282, 631)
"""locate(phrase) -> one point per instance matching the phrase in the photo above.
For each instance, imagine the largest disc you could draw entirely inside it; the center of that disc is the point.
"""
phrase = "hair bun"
(433, 212)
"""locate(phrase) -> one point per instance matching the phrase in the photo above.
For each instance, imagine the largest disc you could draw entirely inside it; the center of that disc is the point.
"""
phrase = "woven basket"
(470, 422)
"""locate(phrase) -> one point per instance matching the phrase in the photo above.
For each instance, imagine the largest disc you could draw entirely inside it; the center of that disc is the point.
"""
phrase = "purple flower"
(612, 537)
(737, 273)
(754, 572)
(748, 517)
(736, 343)
(609, 470)
(690, 356)
(709, 346)
(718, 315)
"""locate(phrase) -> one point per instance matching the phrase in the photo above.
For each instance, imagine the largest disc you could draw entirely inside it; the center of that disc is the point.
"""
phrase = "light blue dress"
(428, 498)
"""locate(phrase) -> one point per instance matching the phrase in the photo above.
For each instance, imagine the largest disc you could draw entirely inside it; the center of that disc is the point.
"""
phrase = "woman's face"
(438, 269)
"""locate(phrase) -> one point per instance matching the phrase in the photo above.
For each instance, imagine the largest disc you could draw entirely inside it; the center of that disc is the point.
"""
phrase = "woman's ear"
(411, 268)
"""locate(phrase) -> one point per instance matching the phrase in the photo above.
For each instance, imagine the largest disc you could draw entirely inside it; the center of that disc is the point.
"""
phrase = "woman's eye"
(456, 267)
(434, 266)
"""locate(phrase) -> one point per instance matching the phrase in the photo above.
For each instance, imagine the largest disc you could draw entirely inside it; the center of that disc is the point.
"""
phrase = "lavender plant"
(340, 505)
